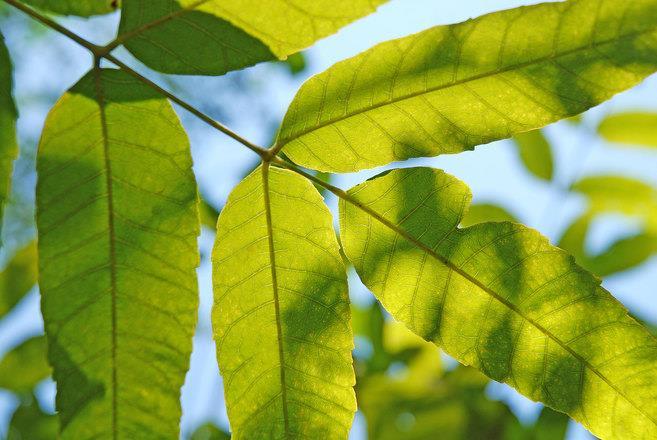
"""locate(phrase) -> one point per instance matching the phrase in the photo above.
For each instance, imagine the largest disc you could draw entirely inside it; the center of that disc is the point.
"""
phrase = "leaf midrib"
(395, 228)
(100, 97)
(272, 262)
(403, 97)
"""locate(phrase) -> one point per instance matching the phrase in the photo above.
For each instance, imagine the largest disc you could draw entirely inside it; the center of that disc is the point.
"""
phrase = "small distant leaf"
(8, 143)
(29, 422)
(634, 128)
(118, 222)
(535, 152)
(281, 313)
(620, 194)
(499, 297)
(83, 8)
(450, 88)
(296, 63)
(209, 432)
(621, 255)
(213, 37)
(18, 277)
(486, 212)
(209, 214)
(25, 366)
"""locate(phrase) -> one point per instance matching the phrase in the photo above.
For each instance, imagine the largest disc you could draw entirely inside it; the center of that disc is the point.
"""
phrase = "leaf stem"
(101, 52)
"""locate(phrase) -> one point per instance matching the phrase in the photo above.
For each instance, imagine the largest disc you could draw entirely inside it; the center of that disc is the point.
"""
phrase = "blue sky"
(46, 68)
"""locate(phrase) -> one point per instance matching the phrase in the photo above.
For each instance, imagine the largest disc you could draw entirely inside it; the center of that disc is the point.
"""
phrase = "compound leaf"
(8, 143)
(83, 8)
(212, 37)
(635, 128)
(117, 221)
(281, 315)
(18, 277)
(499, 297)
(450, 88)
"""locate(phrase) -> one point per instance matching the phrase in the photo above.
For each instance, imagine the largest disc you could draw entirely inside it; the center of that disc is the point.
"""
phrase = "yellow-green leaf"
(635, 128)
(486, 212)
(8, 143)
(535, 153)
(281, 313)
(499, 297)
(18, 277)
(450, 88)
(84, 8)
(25, 366)
(212, 37)
(117, 220)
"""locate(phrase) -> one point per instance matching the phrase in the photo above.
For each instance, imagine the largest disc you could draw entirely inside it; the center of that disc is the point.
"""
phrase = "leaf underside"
(281, 314)
(224, 36)
(450, 88)
(117, 222)
(499, 297)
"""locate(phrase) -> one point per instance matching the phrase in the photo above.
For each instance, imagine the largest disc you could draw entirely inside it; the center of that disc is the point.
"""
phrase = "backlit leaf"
(18, 277)
(118, 222)
(450, 88)
(212, 37)
(281, 313)
(535, 153)
(8, 144)
(636, 128)
(25, 366)
(84, 8)
(499, 297)
(486, 212)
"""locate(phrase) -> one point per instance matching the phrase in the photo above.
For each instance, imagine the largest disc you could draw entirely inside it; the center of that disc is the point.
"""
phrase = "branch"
(101, 52)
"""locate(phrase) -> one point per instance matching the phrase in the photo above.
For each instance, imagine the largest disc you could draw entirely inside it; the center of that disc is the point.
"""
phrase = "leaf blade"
(117, 220)
(82, 8)
(490, 314)
(468, 84)
(282, 312)
(635, 128)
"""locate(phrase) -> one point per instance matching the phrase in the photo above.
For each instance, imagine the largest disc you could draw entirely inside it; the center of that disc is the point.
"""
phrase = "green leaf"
(118, 222)
(18, 277)
(212, 37)
(209, 432)
(550, 425)
(621, 255)
(84, 8)
(499, 297)
(29, 422)
(25, 366)
(636, 128)
(486, 212)
(535, 153)
(607, 193)
(281, 313)
(450, 88)
(8, 143)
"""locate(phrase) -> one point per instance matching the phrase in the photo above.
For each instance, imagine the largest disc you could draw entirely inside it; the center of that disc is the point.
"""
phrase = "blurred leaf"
(18, 277)
(214, 37)
(25, 366)
(8, 143)
(499, 297)
(281, 314)
(607, 193)
(296, 63)
(535, 153)
(209, 214)
(551, 425)
(209, 431)
(369, 322)
(486, 212)
(450, 88)
(118, 224)
(635, 128)
(29, 422)
(83, 8)
(619, 256)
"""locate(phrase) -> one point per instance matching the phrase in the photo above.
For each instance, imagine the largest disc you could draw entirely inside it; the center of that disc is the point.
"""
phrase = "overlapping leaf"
(18, 277)
(499, 297)
(450, 88)
(84, 8)
(8, 114)
(631, 128)
(281, 314)
(117, 221)
(220, 36)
